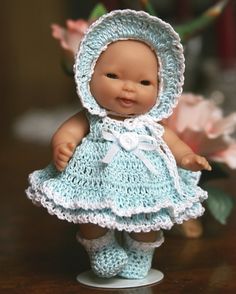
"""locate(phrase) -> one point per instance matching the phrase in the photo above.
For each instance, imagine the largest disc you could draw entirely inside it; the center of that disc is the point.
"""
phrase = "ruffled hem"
(174, 209)
(143, 222)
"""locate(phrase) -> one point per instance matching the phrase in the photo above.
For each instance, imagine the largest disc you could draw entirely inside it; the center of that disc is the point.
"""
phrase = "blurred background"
(37, 95)
(32, 77)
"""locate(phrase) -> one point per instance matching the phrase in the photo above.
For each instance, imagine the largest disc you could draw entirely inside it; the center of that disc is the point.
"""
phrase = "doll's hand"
(194, 162)
(62, 154)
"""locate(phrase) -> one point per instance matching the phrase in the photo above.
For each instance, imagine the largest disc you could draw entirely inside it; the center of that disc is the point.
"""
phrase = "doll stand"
(90, 279)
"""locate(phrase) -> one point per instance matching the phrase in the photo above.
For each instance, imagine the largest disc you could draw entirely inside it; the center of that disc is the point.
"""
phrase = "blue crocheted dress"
(122, 176)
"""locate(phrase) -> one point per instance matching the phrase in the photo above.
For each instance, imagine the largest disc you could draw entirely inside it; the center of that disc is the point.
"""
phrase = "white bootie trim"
(139, 257)
(96, 244)
(145, 246)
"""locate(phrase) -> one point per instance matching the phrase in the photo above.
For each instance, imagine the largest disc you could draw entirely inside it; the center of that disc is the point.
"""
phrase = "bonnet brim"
(138, 25)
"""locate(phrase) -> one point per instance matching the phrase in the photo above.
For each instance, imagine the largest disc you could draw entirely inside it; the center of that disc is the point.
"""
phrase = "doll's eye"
(145, 83)
(112, 75)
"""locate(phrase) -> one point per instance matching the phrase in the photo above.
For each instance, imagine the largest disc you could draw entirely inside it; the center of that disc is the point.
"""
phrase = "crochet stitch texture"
(106, 256)
(138, 25)
(139, 257)
(117, 183)
(123, 194)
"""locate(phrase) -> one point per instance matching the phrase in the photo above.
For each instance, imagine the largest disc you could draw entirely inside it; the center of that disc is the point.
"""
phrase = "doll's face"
(125, 78)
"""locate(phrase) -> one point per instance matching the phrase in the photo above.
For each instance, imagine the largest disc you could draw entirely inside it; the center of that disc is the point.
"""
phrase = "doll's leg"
(190, 229)
(107, 258)
(140, 249)
(91, 231)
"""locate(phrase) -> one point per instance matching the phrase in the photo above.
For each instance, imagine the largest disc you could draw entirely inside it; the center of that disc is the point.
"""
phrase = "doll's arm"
(183, 154)
(67, 137)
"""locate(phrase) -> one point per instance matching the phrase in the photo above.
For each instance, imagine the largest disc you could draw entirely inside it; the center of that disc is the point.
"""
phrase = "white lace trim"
(173, 209)
(145, 246)
(135, 122)
(109, 222)
(96, 244)
(172, 87)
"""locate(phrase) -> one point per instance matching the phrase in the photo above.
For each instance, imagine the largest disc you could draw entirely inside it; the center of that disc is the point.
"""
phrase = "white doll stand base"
(90, 279)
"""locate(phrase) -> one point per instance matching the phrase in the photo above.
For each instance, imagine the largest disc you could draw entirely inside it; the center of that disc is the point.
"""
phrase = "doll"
(114, 164)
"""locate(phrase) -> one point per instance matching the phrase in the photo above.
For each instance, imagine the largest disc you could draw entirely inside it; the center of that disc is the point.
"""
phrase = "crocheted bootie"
(139, 257)
(106, 256)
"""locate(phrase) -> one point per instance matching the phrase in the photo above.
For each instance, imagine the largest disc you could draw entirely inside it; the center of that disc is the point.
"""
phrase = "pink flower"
(200, 123)
(70, 36)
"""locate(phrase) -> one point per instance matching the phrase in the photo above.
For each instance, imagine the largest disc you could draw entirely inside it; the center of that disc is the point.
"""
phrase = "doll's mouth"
(125, 102)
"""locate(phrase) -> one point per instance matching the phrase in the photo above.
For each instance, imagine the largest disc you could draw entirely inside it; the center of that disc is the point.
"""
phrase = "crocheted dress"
(122, 176)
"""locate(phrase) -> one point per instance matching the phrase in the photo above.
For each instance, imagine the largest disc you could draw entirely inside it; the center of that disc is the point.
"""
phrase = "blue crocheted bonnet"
(138, 25)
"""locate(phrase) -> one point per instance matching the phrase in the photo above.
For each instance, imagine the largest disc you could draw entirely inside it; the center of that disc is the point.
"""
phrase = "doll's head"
(125, 78)
(127, 48)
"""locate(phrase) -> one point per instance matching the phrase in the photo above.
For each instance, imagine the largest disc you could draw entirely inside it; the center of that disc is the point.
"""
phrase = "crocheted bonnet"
(137, 25)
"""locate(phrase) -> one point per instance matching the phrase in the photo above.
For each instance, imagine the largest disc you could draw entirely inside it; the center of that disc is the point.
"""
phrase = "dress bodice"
(140, 125)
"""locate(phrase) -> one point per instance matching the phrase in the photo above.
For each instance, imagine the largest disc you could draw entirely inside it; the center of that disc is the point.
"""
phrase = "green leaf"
(98, 11)
(149, 7)
(219, 203)
(67, 68)
(195, 26)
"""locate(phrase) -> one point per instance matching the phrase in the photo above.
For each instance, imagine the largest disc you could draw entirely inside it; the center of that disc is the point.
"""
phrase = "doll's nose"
(128, 86)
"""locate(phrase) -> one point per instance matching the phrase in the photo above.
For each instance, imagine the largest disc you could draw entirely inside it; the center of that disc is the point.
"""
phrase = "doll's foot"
(106, 256)
(190, 229)
(139, 257)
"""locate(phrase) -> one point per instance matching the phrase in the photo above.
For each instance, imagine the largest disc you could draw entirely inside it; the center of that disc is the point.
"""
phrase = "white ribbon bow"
(131, 142)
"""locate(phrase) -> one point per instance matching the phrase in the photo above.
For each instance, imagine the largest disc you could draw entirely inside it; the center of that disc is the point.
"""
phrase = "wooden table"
(39, 253)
